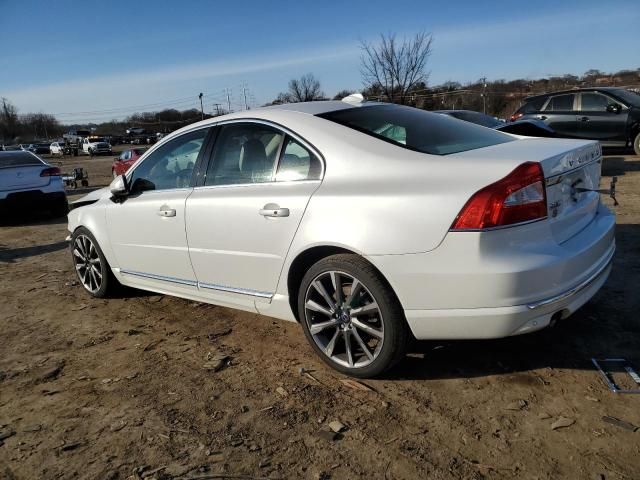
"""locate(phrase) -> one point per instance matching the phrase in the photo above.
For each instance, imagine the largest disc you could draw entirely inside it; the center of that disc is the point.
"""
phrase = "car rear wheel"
(636, 144)
(90, 264)
(351, 317)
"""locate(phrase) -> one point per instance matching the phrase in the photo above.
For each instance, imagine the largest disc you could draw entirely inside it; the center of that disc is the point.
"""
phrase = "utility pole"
(228, 100)
(484, 95)
(201, 105)
(244, 93)
(217, 106)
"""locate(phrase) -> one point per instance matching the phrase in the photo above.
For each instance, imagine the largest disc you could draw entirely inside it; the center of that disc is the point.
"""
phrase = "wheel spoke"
(347, 345)
(79, 266)
(369, 308)
(96, 271)
(366, 328)
(311, 305)
(332, 343)
(321, 290)
(318, 327)
(363, 345)
(94, 260)
(81, 247)
(94, 278)
(355, 288)
(77, 253)
(337, 286)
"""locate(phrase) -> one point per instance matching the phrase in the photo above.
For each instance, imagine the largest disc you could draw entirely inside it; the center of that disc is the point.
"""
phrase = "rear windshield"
(416, 129)
(18, 159)
(533, 105)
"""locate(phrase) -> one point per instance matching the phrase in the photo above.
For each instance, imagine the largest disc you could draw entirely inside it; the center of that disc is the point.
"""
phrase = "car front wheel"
(90, 264)
(636, 144)
(351, 317)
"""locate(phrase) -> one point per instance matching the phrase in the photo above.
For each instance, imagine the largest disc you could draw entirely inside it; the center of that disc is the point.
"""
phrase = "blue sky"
(110, 58)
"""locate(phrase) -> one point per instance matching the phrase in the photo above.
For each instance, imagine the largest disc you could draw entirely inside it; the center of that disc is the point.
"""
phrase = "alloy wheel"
(87, 262)
(344, 319)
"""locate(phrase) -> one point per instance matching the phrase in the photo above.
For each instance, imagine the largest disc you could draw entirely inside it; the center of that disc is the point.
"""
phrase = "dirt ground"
(115, 389)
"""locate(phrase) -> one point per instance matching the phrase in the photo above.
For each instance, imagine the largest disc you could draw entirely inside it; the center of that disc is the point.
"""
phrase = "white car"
(308, 212)
(27, 182)
(57, 148)
(96, 146)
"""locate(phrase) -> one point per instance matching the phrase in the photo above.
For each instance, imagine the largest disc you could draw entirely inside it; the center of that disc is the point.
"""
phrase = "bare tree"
(305, 89)
(9, 122)
(396, 66)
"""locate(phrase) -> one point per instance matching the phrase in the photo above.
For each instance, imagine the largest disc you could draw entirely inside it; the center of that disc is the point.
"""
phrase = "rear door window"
(244, 153)
(560, 103)
(416, 129)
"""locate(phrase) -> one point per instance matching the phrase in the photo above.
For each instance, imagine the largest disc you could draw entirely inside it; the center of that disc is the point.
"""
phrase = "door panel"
(235, 248)
(146, 241)
(596, 123)
(241, 222)
(559, 113)
(147, 228)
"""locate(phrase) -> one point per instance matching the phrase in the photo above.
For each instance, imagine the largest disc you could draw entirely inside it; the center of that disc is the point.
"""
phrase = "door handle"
(584, 119)
(274, 210)
(542, 117)
(167, 212)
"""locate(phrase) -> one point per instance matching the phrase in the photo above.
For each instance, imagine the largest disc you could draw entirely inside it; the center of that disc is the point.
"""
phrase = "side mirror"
(614, 108)
(141, 185)
(119, 187)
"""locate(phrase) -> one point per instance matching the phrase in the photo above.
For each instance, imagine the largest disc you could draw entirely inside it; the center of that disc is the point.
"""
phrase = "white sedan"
(368, 223)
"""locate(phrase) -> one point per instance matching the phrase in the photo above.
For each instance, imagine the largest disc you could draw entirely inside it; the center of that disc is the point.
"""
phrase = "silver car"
(28, 182)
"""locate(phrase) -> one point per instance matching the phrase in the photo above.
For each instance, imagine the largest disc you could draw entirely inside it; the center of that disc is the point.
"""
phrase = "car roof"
(456, 111)
(319, 107)
(573, 90)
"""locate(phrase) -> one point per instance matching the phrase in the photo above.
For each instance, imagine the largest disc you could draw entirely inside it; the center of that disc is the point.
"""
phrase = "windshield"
(628, 97)
(96, 140)
(416, 129)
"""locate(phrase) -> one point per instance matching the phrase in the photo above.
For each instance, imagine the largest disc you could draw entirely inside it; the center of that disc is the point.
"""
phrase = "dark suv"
(611, 115)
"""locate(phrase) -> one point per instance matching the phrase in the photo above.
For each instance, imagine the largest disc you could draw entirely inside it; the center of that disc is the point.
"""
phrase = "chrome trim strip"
(581, 286)
(242, 291)
(553, 179)
(500, 227)
(191, 283)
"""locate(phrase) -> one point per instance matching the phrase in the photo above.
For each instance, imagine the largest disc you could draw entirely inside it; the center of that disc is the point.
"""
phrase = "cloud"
(91, 94)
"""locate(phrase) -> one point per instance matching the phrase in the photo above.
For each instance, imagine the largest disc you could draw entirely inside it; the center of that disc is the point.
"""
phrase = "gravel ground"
(116, 389)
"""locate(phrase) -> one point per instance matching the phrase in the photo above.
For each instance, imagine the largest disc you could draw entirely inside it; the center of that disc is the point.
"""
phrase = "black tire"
(91, 152)
(109, 284)
(396, 334)
(636, 144)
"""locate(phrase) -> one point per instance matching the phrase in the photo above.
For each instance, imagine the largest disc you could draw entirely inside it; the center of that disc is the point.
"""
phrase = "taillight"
(50, 172)
(518, 197)
(516, 116)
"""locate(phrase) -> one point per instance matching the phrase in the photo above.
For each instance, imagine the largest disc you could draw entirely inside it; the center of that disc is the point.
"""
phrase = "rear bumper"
(20, 201)
(498, 322)
(500, 283)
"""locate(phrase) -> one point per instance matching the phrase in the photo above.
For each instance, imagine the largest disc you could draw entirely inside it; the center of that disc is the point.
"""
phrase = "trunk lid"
(22, 177)
(567, 166)
(569, 209)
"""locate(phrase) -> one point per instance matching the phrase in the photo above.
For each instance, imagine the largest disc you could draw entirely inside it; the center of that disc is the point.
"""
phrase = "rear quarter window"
(416, 129)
